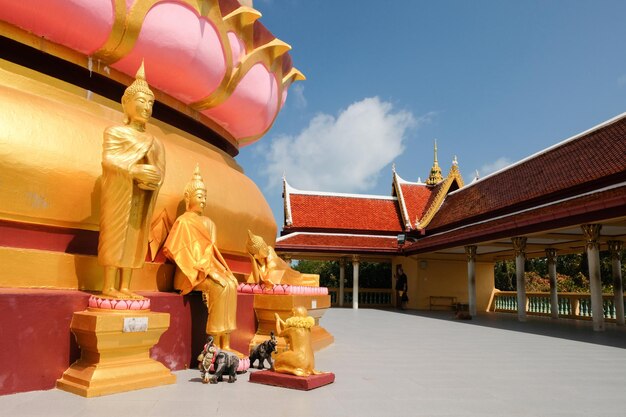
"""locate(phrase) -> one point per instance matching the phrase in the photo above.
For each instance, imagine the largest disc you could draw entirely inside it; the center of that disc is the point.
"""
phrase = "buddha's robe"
(125, 209)
(191, 245)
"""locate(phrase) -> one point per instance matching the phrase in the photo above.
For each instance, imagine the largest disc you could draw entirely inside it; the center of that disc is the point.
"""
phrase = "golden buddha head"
(138, 99)
(256, 246)
(195, 193)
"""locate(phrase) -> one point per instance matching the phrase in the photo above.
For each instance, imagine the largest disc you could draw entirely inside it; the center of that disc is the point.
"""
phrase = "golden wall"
(428, 277)
(50, 155)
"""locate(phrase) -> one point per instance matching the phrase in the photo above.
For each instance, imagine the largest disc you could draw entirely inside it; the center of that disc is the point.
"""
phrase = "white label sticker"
(135, 324)
(313, 304)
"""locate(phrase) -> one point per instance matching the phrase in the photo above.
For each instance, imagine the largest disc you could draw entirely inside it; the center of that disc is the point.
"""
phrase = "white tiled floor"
(401, 364)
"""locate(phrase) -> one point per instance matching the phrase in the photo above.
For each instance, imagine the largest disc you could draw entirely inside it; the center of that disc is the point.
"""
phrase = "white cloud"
(344, 153)
(297, 95)
(621, 81)
(492, 167)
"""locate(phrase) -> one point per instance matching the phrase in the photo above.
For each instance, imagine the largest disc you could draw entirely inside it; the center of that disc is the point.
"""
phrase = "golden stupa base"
(115, 352)
(265, 306)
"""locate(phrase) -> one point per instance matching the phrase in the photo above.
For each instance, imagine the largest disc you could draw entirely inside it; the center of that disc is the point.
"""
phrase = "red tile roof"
(320, 242)
(416, 198)
(594, 206)
(343, 213)
(584, 163)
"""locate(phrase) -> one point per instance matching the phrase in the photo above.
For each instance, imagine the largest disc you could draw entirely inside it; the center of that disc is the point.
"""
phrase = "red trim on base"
(38, 345)
(291, 381)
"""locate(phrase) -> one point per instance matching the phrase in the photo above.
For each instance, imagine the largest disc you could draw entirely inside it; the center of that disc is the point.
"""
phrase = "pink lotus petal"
(92, 302)
(278, 289)
(257, 289)
(121, 305)
(105, 304)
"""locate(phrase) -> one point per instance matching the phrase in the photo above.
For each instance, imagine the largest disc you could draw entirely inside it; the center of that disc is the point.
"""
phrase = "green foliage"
(371, 274)
(572, 273)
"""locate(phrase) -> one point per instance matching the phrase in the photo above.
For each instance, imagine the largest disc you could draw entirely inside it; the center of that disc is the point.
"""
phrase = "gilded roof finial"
(435, 172)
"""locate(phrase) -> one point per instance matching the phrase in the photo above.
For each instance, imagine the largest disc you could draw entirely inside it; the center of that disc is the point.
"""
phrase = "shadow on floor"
(577, 330)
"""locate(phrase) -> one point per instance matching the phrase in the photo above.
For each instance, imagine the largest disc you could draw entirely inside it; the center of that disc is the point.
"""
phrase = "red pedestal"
(291, 381)
(38, 345)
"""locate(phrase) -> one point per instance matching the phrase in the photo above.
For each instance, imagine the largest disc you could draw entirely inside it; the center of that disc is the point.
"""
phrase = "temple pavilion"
(568, 198)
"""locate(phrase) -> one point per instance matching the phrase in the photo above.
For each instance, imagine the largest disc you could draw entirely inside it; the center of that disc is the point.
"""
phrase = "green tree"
(371, 274)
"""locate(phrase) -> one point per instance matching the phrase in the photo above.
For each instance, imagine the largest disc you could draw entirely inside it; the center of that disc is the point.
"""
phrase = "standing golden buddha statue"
(133, 168)
(191, 244)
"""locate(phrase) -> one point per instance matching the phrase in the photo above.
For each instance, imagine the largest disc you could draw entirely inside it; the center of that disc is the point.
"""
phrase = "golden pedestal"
(266, 305)
(115, 352)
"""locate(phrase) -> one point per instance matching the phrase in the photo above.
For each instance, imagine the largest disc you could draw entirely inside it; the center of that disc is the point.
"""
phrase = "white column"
(519, 244)
(615, 246)
(342, 278)
(355, 282)
(592, 233)
(470, 251)
(554, 297)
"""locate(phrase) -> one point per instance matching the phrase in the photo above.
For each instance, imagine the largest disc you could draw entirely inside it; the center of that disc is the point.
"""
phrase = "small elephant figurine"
(221, 361)
(263, 352)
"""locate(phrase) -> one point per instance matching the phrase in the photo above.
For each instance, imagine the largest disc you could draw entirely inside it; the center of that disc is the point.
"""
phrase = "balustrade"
(571, 305)
(368, 297)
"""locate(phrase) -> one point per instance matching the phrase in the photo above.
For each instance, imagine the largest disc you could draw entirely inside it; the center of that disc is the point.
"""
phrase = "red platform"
(38, 345)
(291, 381)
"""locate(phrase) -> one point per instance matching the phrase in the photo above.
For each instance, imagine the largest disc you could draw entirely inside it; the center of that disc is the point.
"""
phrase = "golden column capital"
(551, 255)
(470, 251)
(615, 247)
(342, 262)
(592, 234)
(519, 245)
(355, 258)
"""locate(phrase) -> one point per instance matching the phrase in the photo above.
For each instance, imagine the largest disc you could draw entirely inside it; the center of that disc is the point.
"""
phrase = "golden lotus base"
(115, 353)
(266, 305)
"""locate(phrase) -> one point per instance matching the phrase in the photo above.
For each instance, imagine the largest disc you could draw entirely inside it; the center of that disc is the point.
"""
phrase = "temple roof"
(583, 163)
(579, 180)
(337, 242)
(338, 212)
(413, 198)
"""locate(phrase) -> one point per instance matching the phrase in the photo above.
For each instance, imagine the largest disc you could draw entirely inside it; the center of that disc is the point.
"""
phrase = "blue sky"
(492, 81)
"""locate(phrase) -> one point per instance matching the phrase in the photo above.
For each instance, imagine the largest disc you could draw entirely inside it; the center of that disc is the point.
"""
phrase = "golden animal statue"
(296, 330)
(269, 269)
(191, 244)
(133, 167)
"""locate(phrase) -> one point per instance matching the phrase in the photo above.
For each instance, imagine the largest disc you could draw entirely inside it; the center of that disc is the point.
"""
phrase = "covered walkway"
(412, 363)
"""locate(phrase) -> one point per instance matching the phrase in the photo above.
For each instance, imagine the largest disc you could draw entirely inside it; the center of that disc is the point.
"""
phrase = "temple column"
(592, 233)
(355, 282)
(342, 278)
(615, 246)
(554, 297)
(519, 245)
(470, 251)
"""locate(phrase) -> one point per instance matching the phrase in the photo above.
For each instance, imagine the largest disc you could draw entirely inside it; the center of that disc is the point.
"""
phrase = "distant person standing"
(401, 288)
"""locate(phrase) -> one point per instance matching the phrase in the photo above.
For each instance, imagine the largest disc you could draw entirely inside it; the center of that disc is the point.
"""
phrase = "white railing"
(368, 297)
(571, 305)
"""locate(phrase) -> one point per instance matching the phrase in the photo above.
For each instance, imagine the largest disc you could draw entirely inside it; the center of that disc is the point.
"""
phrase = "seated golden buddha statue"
(298, 359)
(191, 244)
(133, 167)
(269, 269)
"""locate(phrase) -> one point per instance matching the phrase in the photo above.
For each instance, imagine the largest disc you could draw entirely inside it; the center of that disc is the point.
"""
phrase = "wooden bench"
(442, 302)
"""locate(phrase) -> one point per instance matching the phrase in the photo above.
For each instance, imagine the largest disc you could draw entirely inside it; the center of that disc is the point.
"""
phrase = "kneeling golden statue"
(269, 269)
(191, 244)
(296, 330)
